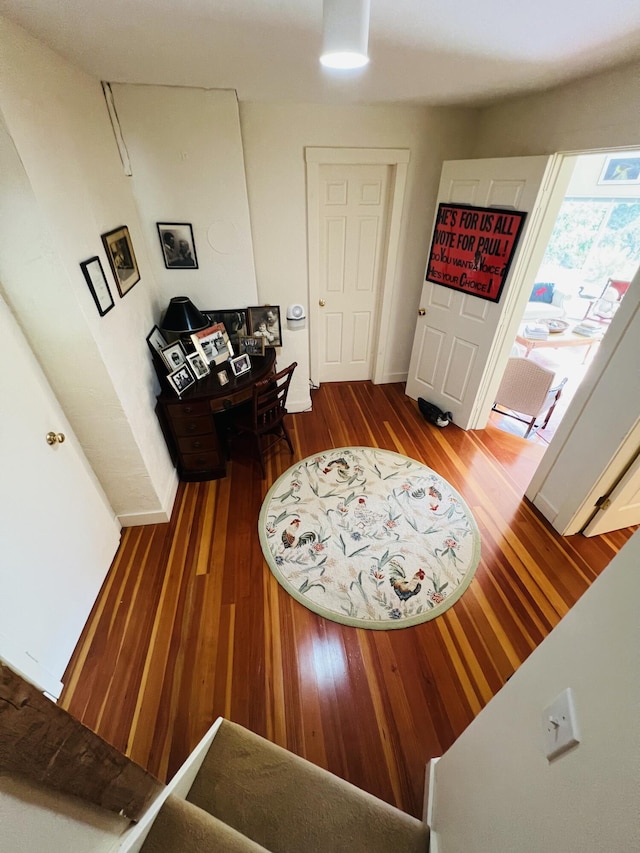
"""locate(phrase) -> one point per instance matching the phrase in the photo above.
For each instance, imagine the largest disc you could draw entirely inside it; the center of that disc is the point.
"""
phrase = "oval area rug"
(369, 538)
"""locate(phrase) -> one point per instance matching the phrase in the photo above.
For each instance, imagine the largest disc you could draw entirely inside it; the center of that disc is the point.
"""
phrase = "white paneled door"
(353, 220)
(454, 336)
(57, 530)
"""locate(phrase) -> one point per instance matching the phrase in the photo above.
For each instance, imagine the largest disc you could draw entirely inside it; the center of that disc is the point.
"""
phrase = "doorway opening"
(591, 258)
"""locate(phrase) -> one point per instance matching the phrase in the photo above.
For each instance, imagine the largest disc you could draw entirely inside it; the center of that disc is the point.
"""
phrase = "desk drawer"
(206, 461)
(187, 410)
(192, 426)
(232, 400)
(198, 443)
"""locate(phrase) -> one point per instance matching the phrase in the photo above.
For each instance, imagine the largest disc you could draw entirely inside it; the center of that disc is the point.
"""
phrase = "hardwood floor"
(191, 624)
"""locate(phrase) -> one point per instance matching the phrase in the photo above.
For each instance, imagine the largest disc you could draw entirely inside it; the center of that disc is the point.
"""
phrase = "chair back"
(270, 400)
(524, 386)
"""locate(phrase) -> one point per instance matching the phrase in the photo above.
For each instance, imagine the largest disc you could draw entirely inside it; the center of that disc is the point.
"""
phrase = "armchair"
(526, 390)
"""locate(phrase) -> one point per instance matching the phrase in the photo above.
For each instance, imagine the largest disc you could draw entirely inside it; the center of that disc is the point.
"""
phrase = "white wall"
(602, 111)
(187, 162)
(274, 138)
(62, 186)
(495, 789)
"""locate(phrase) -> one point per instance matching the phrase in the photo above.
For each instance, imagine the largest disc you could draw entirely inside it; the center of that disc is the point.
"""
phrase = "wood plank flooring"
(191, 624)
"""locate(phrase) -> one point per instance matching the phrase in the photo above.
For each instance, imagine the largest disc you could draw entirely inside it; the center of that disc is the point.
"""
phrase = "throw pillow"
(542, 292)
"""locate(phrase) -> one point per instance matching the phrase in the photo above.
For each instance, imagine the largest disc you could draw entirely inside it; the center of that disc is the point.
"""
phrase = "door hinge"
(603, 503)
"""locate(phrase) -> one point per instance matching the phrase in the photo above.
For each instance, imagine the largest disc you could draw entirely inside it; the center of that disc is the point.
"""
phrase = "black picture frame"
(178, 246)
(235, 322)
(122, 259)
(157, 341)
(97, 282)
(264, 321)
(174, 355)
(182, 379)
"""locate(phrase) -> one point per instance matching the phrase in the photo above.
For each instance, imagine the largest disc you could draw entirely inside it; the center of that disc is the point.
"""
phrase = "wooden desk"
(565, 339)
(192, 424)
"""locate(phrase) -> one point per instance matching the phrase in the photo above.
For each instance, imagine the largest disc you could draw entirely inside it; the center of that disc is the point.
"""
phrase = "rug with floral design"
(369, 538)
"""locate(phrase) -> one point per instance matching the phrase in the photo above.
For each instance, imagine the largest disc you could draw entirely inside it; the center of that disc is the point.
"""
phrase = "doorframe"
(397, 159)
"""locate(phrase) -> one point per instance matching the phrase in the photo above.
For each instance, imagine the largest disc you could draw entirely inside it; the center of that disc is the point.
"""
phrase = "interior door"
(58, 532)
(623, 506)
(353, 217)
(455, 334)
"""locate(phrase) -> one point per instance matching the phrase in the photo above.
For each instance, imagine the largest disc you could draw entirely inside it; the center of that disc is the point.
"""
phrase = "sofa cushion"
(542, 292)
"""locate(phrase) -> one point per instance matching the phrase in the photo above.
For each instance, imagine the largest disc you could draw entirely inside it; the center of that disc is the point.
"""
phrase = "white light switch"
(560, 725)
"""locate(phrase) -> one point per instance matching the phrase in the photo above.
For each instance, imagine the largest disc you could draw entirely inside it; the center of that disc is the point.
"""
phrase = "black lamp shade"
(182, 318)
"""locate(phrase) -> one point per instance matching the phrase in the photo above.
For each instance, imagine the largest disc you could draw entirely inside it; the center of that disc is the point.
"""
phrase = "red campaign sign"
(472, 248)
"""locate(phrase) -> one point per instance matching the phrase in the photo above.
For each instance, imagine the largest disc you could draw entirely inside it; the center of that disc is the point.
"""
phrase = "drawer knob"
(227, 404)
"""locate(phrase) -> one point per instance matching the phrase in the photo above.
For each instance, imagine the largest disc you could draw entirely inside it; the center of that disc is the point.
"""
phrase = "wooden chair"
(526, 390)
(264, 418)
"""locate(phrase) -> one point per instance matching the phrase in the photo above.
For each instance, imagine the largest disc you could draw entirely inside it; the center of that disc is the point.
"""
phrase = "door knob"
(55, 438)
(321, 303)
(421, 312)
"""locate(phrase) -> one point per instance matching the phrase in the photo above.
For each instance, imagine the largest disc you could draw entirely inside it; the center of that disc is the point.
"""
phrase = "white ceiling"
(423, 51)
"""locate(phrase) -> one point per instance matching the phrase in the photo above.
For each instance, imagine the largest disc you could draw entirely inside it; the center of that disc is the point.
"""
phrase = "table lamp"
(182, 319)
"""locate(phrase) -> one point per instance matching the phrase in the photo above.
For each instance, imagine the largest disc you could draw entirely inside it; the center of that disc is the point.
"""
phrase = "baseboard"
(137, 519)
(388, 378)
(545, 507)
(179, 786)
(302, 405)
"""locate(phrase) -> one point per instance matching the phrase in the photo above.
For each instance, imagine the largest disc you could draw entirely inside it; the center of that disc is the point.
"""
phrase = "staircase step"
(288, 805)
(182, 827)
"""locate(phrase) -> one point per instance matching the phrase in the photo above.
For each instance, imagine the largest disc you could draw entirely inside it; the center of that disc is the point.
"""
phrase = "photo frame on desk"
(213, 344)
(198, 365)
(264, 322)
(241, 364)
(181, 379)
(157, 341)
(235, 322)
(174, 355)
(251, 345)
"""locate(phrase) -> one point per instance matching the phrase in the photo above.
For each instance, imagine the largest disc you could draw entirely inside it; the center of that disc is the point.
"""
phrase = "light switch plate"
(560, 725)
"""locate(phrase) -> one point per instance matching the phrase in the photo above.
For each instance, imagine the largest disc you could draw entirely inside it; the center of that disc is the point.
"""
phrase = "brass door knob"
(421, 312)
(55, 438)
(322, 303)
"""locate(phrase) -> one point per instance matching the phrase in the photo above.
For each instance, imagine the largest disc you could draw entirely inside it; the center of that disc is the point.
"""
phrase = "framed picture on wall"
(122, 259)
(620, 170)
(178, 246)
(264, 322)
(95, 278)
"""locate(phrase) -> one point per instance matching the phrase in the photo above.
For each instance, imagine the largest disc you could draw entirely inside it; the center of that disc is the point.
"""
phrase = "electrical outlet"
(560, 725)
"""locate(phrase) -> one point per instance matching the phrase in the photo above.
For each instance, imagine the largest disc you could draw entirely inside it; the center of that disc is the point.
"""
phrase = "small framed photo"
(181, 379)
(619, 169)
(174, 355)
(198, 364)
(178, 246)
(94, 275)
(223, 377)
(252, 346)
(119, 249)
(241, 364)
(213, 344)
(157, 341)
(264, 322)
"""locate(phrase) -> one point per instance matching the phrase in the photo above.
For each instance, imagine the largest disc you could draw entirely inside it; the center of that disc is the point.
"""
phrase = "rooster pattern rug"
(369, 538)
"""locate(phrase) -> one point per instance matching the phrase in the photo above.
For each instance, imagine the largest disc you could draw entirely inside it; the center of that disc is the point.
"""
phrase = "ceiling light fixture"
(346, 33)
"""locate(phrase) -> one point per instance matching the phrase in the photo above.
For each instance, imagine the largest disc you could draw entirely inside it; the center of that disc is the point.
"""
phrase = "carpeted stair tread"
(288, 805)
(184, 828)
